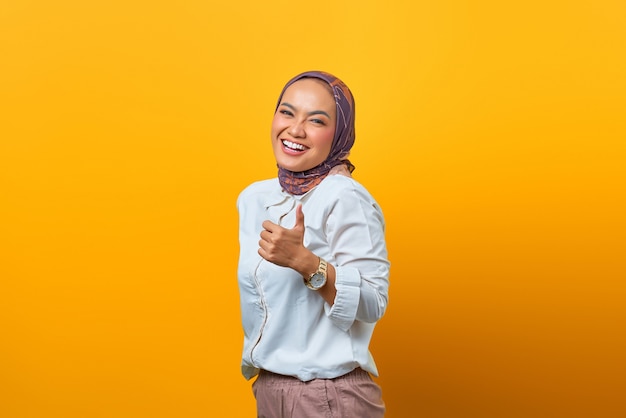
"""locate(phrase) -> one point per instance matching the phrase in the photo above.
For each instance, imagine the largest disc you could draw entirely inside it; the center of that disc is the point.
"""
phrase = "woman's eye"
(318, 121)
(286, 112)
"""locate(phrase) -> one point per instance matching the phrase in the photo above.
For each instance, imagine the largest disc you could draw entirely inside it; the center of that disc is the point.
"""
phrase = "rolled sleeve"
(346, 304)
(356, 234)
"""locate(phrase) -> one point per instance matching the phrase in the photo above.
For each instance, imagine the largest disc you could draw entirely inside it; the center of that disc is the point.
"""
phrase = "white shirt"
(288, 328)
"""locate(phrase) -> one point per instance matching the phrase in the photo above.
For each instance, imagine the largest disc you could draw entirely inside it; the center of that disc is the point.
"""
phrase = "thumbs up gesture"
(283, 246)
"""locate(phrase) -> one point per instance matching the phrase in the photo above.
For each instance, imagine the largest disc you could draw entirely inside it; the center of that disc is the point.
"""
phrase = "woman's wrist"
(308, 265)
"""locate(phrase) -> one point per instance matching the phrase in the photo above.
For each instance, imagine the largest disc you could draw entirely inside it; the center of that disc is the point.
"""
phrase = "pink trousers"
(353, 395)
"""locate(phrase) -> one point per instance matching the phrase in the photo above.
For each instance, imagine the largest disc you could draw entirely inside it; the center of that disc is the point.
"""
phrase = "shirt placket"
(276, 213)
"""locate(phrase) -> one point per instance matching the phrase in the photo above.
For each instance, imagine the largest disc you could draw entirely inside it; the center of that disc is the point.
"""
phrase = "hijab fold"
(300, 182)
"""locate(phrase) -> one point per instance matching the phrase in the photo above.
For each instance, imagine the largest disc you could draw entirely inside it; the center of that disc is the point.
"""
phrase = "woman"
(313, 268)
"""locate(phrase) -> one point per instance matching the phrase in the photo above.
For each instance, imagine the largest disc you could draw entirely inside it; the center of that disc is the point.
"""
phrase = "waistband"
(357, 374)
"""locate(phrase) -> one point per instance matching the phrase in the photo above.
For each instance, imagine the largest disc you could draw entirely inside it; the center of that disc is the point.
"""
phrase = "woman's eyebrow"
(314, 112)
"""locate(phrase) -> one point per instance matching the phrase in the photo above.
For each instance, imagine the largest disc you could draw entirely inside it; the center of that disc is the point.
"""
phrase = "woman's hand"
(285, 247)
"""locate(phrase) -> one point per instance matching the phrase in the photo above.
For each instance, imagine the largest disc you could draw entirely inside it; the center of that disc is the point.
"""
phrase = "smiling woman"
(304, 125)
(311, 294)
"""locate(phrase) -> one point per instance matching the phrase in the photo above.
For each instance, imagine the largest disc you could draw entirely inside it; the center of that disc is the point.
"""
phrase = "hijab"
(300, 182)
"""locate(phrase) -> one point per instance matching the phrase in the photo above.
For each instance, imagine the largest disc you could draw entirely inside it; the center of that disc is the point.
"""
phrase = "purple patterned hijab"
(298, 183)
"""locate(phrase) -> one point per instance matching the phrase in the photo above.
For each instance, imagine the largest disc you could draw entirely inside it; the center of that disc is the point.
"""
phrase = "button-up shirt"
(288, 328)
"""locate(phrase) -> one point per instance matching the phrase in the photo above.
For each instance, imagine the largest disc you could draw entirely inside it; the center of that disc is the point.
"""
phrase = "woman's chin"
(291, 166)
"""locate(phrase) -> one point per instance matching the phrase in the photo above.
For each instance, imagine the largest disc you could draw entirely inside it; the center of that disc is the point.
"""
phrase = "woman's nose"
(297, 129)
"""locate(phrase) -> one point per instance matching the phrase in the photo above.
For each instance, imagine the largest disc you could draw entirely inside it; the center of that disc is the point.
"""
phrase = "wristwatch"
(317, 280)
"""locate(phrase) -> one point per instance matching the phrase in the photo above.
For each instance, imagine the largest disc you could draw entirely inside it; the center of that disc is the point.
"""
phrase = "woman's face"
(304, 125)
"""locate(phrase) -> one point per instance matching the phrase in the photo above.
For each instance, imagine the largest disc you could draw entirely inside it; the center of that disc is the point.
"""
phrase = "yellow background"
(492, 134)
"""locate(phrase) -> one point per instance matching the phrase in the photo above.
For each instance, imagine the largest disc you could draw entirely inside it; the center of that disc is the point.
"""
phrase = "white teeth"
(293, 145)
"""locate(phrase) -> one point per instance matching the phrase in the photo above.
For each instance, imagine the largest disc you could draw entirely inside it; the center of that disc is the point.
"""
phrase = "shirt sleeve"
(356, 234)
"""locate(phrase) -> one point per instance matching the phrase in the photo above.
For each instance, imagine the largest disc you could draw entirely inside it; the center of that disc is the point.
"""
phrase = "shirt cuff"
(348, 285)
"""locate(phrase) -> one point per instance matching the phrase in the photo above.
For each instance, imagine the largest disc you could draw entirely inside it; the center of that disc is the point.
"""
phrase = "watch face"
(317, 280)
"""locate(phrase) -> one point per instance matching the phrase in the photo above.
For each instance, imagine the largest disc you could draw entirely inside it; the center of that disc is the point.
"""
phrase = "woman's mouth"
(293, 146)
